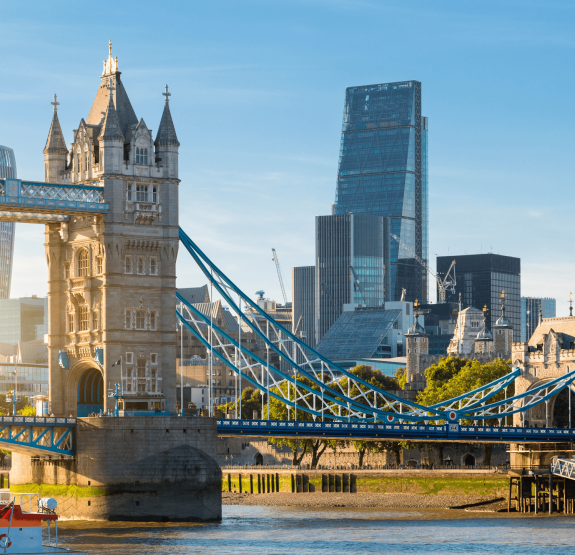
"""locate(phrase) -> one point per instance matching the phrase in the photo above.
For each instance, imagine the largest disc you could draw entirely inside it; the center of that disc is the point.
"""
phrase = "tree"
(454, 376)
(251, 402)
(401, 376)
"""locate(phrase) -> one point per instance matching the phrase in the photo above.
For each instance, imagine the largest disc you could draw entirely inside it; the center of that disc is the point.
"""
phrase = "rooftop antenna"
(570, 304)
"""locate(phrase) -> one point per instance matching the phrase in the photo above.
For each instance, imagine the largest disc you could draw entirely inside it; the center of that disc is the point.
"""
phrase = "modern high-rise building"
(351, 265)
(7, 170)
(482, 279)
(23, 320)
(303, 303)
(383, 171)
(530, 309)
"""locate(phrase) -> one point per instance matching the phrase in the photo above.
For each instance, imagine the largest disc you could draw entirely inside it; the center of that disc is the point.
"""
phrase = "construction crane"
(447, 283)
(275, 259)
(357, 284)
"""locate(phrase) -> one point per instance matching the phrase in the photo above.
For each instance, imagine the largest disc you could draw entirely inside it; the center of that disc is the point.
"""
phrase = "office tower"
(352, 265)
(481, 278)
(23, 319)
(383, 171)
(303, 303)
(530, 308)
(7, 169)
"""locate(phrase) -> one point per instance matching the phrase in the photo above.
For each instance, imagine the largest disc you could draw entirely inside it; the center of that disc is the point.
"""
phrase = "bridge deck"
(413, 432)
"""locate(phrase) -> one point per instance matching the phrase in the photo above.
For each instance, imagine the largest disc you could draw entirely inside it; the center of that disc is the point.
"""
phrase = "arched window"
(140, 265)
(128, 265)
(152, 266)
(83, 263)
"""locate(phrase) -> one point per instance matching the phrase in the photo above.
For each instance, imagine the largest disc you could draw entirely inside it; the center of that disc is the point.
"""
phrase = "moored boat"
(21, 521)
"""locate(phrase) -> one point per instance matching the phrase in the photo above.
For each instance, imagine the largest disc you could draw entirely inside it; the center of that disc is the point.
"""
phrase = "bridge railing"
(37, 420)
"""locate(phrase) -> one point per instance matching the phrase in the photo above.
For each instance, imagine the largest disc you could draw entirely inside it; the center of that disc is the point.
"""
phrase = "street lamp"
(14, 397)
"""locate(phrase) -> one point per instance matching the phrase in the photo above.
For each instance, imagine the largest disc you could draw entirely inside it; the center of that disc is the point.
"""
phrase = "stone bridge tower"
(112, 278)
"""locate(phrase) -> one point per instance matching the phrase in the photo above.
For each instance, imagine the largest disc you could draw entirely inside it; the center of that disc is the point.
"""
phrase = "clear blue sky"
(258, 92)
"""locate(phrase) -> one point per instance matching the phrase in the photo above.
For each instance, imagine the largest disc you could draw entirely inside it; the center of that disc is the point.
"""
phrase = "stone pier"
(132, 468)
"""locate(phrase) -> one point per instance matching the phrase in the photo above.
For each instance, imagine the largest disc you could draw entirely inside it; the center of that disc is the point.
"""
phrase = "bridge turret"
(111, 138)
(167, 144)
(55, 152)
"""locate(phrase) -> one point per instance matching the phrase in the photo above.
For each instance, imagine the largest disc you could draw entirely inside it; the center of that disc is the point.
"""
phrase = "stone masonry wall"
(152, 468)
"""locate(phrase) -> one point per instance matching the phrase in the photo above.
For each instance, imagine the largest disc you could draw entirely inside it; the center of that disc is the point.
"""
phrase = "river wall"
(132, 468)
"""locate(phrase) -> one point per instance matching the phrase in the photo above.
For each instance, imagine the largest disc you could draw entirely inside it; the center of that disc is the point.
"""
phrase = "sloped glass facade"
(383, 171)
(7, 169)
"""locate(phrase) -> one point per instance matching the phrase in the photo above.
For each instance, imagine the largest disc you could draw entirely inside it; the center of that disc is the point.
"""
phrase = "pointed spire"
(111, 129)
(55, 141)
(166, 132)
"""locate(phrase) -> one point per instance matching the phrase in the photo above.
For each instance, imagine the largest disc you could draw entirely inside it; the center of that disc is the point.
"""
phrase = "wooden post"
(536, 496)
(273, 484)
(550, 494)
(229, 482)
(509, 498)
(292, 483)
(251, 483)
(240, 480)
(259, 483)
(277, 482)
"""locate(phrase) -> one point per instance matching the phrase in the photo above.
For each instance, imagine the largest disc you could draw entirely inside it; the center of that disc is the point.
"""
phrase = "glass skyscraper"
(383, 171)
(530, 307)
(7, 169)
(351, 265)
(481, 278)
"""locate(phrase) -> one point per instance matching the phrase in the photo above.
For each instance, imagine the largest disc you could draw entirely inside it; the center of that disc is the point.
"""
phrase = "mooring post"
(277, 482)
(292, 483)
(240, 480)
(259, 483)
(550, 494)
(536, 496)
(251, 483)
(229, 482)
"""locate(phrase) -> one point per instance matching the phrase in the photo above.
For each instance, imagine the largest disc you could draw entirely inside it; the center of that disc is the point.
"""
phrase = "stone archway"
(468, 460)
(90, 393)
(85, 392)
(259, 459)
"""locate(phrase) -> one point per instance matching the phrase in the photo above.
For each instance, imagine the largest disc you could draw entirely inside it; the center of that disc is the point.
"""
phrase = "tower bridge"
(112, 235)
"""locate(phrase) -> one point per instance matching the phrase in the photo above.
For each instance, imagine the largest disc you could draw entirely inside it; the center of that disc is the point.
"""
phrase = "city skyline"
(487, 164)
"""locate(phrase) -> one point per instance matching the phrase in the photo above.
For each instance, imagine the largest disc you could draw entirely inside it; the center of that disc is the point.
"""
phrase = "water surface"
(338, 531)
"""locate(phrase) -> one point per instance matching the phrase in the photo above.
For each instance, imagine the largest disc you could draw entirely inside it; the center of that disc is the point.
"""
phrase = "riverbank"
(483, 503)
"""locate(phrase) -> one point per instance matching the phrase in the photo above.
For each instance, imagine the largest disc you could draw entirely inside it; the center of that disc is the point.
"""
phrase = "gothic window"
(129, 192)
(153, 267)
(66, 270)
(153, 320)
(141, 368)
(141, 388)
(141, 193)
(83, 263)
(140, 265)
(154, 194)
(129, 372)
(129, 358)
(129, 387)
(70, 322)
(84, 318)
(140, 320)
(154, 358)
(87, 160)
(128, 319)
(141, 155)
(99, 265)
(95, 320)
(128, 265)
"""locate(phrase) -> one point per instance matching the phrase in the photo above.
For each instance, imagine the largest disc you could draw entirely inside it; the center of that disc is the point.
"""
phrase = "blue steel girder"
(318, 368)
(36, 202)
(34, 435)
(327, 399)
(380, 431)
(366, 398)
(563, 467)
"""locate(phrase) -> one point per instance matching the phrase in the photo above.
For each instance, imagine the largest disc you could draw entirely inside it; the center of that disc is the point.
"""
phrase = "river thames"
(297, 531)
